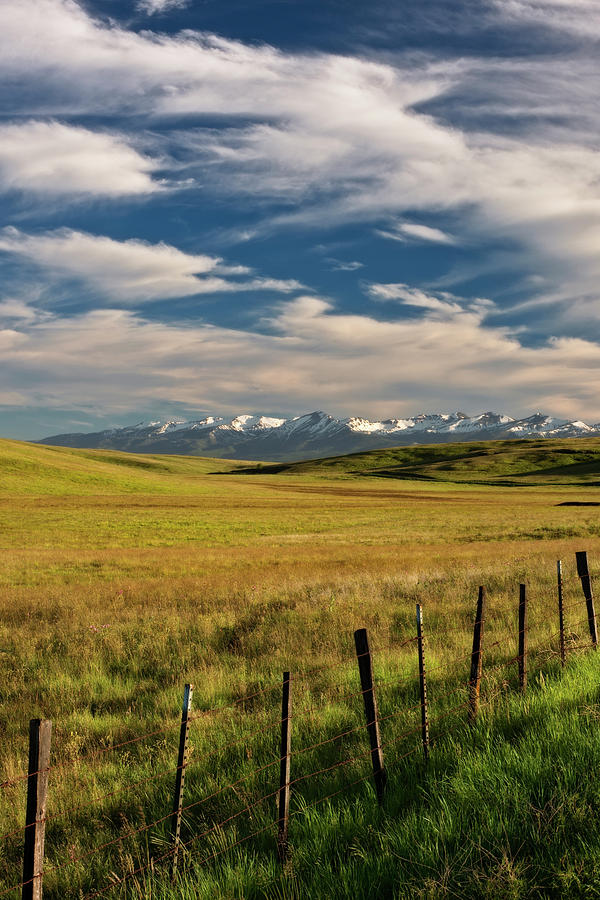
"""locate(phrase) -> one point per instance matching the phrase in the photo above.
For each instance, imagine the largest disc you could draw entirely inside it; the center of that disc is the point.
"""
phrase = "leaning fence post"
(522, 638)
(182, 759)
(476, 657)
(561, 618)
(586, 584)
(365, 668)
(40, 731)
(283, 808)
(422, 683)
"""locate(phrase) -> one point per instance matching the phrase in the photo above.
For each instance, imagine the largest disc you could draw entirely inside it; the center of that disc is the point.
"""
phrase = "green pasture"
(125, 576)
(530, 461)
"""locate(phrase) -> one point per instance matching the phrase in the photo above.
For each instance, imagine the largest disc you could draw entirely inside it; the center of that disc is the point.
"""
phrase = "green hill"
(39, 469)
(541, 461)
(126, 576)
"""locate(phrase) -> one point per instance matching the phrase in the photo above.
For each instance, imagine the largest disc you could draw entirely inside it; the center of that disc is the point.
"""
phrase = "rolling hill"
(34, 468)
(541, 461)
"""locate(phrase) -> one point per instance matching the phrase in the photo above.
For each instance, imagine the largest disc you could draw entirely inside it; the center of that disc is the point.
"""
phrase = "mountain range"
(316, 434)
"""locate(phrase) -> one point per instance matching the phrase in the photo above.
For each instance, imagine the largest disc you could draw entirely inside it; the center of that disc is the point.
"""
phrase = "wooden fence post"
(283, 810)
(40, 731)
(561, 618)
(365, 668)
(586, 584)
(422, 683)
(523, 643)
(476, 657)
(182, 759)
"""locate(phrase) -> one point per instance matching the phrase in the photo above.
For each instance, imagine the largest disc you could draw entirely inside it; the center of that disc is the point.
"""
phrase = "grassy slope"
(113, 596)
(503, 810)
(575, 461)
(36, 469)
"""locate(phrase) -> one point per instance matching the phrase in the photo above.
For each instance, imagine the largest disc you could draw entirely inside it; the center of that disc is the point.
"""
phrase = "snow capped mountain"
(316, 434)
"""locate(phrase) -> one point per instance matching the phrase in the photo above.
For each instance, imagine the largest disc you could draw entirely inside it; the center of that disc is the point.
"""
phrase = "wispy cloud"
(343, 138)
(581, 17)
(152, 7)
(423, 361)
(403, 231)
(339, 265)
(491, 149)
(133, 271)
(441, 302)
(13, 308)
(52, 158)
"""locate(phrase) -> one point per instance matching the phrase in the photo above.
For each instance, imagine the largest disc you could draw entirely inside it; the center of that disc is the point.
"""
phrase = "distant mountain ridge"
(315, 434)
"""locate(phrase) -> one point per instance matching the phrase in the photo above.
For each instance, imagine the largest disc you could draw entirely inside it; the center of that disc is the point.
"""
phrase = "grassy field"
(532, 461)
(124, 576)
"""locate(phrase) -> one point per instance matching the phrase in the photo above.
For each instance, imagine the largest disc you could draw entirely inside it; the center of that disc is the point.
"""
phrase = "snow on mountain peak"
(240, 421)
(320, 424)
(357, 424)
(314, 434)
(170, 426)
(268, 422)
(205, 423)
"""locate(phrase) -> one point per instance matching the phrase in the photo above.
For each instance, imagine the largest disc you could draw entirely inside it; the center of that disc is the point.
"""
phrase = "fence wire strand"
(245, 740)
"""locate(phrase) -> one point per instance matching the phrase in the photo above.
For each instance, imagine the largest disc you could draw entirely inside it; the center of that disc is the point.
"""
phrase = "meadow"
(124, 576)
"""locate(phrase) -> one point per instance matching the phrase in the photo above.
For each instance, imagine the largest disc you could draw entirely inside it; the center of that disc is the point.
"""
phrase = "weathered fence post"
(365, 668)
(476, 657)
(422, 683)
(523, 638)
(40, 731)
(586, 584)
(283, 810)
(561, 618)
(182, 759)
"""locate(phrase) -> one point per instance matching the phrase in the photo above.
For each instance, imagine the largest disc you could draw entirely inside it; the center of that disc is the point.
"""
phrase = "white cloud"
(151, 7)
(443, 302)
(339, 265)
(581, 17)
(54, 158)
(404, 230)
(342, 132)
(14, 308)
(344, 138)
(132, 270)
(422, 361)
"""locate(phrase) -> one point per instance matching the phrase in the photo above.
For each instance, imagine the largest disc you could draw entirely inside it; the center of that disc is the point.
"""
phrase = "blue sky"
(375, 209)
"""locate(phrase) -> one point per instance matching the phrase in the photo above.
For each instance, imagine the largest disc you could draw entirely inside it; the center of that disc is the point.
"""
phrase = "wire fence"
(408, 727)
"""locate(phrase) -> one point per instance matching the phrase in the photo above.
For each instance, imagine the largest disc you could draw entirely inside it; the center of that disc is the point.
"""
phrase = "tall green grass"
(506, 809)
(120, 581)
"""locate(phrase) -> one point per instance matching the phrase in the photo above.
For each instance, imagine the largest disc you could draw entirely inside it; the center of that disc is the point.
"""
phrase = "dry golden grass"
(117, 592)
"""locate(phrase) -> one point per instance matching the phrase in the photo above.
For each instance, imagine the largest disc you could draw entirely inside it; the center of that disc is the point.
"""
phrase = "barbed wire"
(270, 825)
(245, 739)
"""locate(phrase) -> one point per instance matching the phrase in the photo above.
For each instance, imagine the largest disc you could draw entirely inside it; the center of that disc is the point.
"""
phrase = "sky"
(273, 206)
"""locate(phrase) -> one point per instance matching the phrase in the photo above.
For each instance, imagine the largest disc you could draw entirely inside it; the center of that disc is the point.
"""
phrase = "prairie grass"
(124, 577)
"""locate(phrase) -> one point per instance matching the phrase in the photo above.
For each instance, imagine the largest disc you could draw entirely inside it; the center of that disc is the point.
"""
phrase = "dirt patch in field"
(362, 493)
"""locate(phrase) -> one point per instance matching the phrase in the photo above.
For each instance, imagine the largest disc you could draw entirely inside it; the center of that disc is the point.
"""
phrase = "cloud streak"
(581, 17)
(152, 7)
(342, 138)
(499, 150)
(132, 271)
(424, 361)
(51, 158)
(403, 231)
